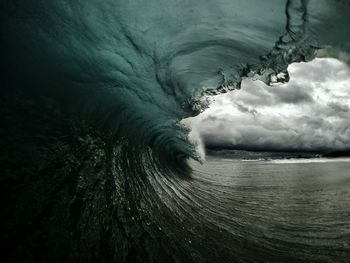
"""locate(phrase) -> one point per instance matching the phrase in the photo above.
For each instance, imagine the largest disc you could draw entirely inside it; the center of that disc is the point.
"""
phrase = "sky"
(309, 113)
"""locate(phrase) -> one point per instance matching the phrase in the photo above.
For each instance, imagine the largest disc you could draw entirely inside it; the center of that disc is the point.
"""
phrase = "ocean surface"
(298, 209)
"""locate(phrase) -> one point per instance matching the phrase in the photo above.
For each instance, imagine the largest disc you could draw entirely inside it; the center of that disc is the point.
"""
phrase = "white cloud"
(311, 112)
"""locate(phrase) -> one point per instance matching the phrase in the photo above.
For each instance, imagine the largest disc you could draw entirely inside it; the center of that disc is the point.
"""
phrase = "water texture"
(93, 156)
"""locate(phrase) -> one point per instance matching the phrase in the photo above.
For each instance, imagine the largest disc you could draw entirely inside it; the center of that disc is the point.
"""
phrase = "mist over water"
(95, 162)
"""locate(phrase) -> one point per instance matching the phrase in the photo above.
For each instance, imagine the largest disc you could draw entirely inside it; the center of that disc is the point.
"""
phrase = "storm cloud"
(310, 113)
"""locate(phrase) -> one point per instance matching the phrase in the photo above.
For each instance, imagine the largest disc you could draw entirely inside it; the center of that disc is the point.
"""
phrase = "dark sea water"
(298, 208)
(93, 155)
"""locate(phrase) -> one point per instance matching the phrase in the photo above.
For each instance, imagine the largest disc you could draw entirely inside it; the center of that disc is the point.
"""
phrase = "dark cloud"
(292, 94)
(309, 113)
(338, 107)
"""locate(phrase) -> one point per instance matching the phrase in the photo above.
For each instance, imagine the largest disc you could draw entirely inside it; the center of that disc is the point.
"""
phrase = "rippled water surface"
(299, 209)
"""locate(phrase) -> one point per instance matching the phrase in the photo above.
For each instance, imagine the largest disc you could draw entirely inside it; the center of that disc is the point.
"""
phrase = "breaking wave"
(94, 158)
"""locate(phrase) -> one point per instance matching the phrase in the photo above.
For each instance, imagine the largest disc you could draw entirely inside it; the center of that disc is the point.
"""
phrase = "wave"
(95, 157)
(314, 160)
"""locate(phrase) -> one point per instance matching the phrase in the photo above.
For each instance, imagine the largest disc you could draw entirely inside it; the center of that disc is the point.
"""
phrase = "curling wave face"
(93, 93)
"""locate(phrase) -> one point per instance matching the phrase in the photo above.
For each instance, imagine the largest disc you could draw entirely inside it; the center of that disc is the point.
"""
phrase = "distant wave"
(312, 160)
